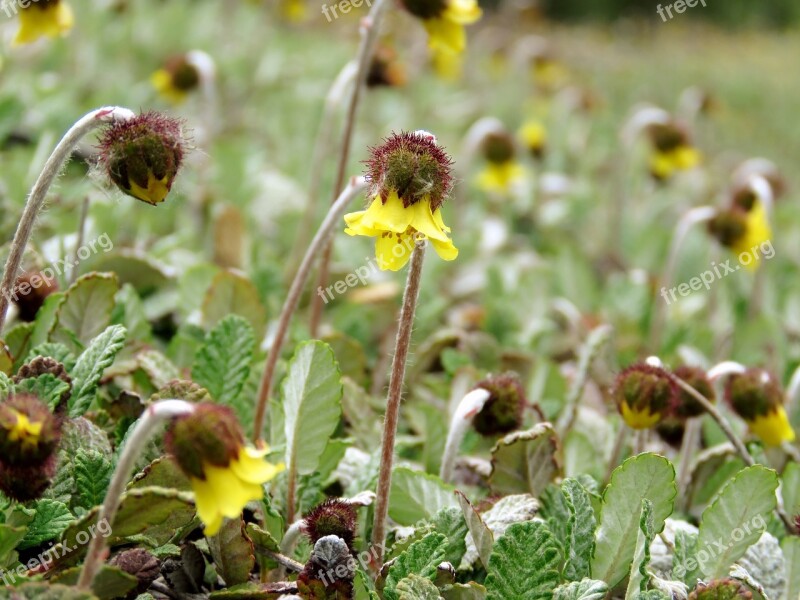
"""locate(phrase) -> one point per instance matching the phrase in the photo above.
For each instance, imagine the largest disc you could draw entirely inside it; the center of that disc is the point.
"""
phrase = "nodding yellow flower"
(224, 473)
(25, 431)
(672, 150)
(638, 418)
(176, 79)
(502, 168)
(744, 227)
(534, 136)
(756, 397)
(50, 18)
(410, 178)
(445, 20)
(644, 395)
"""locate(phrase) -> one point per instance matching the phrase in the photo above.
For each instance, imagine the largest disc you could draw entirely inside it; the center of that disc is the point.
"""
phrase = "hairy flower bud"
(728, 227)
(142, 156)
(696, 377)
(757, 397)
(24, 483)
(503, 411)
(498, 147)
(721, 589)
(644, 394)
(29, 432)
(332, 517)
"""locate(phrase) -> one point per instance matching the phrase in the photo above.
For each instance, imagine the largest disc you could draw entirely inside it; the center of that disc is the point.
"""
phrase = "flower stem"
(394, 397)
(144, 429)
(354, 188)
(370, 28)
(38, 195)
(469, 406)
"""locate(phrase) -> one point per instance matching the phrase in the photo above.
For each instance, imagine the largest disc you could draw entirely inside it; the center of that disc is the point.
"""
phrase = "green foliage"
(92, 472)
(421, 558)
(90, 366)
(580, 526)
(637, 582)
(585, 589)
(417, 496)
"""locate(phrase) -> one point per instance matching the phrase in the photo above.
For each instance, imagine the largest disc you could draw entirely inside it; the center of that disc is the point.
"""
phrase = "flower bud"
(757, 398)
(329, 572)
(502, 412)
(176, 79)
(24, 483)
(721, 589)
(42, 365)
(385, 69)
(644, 394)
(29, 432)
(728, 227)
(332, 517)
(498, 147)
(141, 564)
(696, 377)
(142, 156)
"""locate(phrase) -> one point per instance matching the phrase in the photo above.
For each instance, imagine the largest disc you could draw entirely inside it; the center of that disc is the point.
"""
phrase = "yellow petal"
(156, 191)
(757, 232)
(445, 250)
(774, 428)
(638, 419)
(252, 468)
(437, 218)
(355, 225)
(662, 165)
(448, 65)
(533, 134)
(464, 12)
(51, 21)
(422, 220)
(390, 216)
(445, 34)
(163, 83)
(686, 157)
(393, 251)
(499, 177)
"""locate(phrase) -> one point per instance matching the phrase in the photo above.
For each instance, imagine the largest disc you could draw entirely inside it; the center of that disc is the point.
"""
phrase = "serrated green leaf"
(45, 317)
(422, 559)
(54, 350)
(637, 582)
(525, 461)
(585, 589)
(46, 387)
(736, 519)
(158, 367)
(90, 366)
(223, 363)
(92, 472)
(10, 537)
(18, 340)
(646, 476)
(233, 552)
(480, 532)
(524, 564)
(415, 587)
(51, 519)
(464, 591)
(581, 526)
(791, 555)
(6, 386)
(684, 560)
(85, 310)
(311, 400)
(416, 495)
(450, 523)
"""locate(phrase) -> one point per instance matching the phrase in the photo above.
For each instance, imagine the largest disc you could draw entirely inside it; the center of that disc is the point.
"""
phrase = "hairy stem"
(354, 188)
(394, 398)
(469, 406)
(144, 429)
(38, 195)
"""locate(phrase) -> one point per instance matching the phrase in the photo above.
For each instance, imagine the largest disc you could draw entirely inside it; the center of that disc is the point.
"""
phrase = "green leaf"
(464, 591)
(415, 587)
(524, 564)
(6, 386)
(51, 519)
(10, 537)
(233, 294)
(46, 386)
(736, 519)
(480, 532)
(233, 552)
(580, 530)
(637, 582)
(450, 523)
(525, 461)
(158, 367)
(18, 340)
(791, 555)
(109, 583)
(646, 476)
(85, 310)
(45, 591)
(417, 496)
(92, 472)
(54, 350)
(790, 488)
(311, 400)
(223, 363)
(684, 560)
(45, 318)
(585, 589)
(422, 559)
(90, 366)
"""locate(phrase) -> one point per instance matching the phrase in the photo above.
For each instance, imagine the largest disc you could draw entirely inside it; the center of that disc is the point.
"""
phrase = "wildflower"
(225, 474)
(410, 179)
(176, 79)
(534, 137)
(332, 517)
(548, 73)
(502, 168)
(672, 150)
(502, 412)
(385, 69)
(644, 394)
(444, 20)
(142, 156)
(757, 398)
(743, 226)
(50, 18)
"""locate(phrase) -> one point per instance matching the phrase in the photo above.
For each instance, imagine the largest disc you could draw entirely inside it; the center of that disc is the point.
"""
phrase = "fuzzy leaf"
(580, 530)
(51, 519)
(791, 555)
(90, 366)
(233, 294)
(525, 461)
(422, 559)
(109, 583)
(416, 496)
(684, 560)
(158, 367)
(585, 589)
(480, 532)
(92, 473)
(736, 519)
(223, 363)
(85, 310)
(646, 476)
(524, 564)
(641, 556)
(415, 587)
(450, 523)
(54, 350)
(790, 488)
(46, 387)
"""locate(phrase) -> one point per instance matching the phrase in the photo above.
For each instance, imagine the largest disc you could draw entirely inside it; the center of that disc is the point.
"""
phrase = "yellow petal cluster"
(50, 20)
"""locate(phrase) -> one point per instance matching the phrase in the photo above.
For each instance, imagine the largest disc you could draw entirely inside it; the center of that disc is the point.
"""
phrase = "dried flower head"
(502, 412)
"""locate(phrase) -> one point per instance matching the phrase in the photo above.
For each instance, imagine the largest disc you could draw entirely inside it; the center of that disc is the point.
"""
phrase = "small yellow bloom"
(25, 431)
(773, 428)
(162, 81)
(500, 177)
(757, 231)
(638, 419)
(664, 164)
(446, 26)
(50, 18)
(534, 136)
(154, 193)
(397, 229)
(226, 490)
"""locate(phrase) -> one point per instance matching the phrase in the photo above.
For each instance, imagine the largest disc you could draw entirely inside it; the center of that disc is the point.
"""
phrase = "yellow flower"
(25, 431)
(226, 490)
(293, 11)
(51, 18)
(534, 135)
(162, 81)
(773, 428)
(445, 20)
(757, 231)
(397, 229)
(500, 177)
(448, 65)
(644, 394)
(665, 163)
(638, 419)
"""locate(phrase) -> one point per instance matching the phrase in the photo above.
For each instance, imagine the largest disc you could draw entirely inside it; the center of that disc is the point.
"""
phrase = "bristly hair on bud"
(696, 377)
(142, 155)
(333, 516)
(503, 411)
(754, 393)
(413, 165)
(644, 394)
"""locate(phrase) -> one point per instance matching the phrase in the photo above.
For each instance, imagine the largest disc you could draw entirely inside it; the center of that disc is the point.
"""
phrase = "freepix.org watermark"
(11, 7)
(680, 6)
(343, 7)
(718, 271)
(45, 560)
